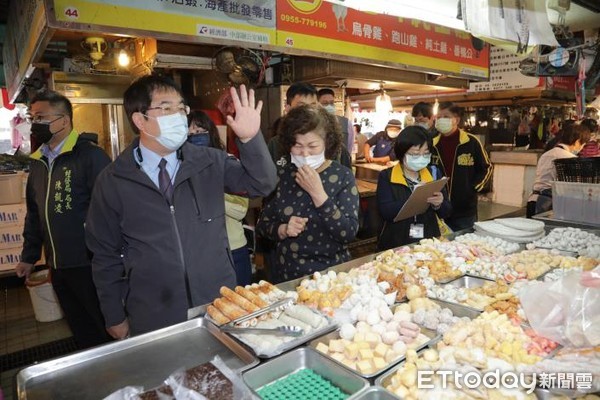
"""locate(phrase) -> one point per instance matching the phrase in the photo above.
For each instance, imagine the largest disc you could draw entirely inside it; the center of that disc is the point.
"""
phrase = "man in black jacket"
(464, 161)
(156, 223)
(59, 188)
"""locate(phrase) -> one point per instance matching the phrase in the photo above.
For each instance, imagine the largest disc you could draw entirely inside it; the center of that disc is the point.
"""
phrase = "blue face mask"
(417, 163)
(199, 139)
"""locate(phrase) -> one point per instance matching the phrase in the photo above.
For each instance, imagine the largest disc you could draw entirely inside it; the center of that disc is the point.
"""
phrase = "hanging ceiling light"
(383, 102)
(123, 58)
(436, 106)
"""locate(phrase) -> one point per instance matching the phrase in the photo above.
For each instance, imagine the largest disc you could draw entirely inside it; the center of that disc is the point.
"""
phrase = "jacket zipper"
(180, 248)
(49, 167)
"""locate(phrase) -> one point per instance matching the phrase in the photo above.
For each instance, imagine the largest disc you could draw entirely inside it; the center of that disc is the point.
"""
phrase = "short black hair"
(325, 91)
(56, 100)
(138, 96)
(358, 127)
(591, 124)
(299, 89)
(410, 136)
(453, 108)
(422, 108)
(201, 119)
(573, 133)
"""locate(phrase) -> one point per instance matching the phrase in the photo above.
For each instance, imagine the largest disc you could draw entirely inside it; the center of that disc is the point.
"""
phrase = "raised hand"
(246, 123)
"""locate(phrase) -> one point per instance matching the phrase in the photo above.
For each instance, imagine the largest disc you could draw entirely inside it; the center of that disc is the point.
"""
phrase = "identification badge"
(417, 231)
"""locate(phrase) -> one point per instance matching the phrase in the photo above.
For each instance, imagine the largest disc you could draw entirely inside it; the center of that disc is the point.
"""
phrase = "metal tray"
(376, 393)
(145, 360)
(448, 280)
(432, 335)
(298, 359)
(292, 343)
(458, 310)
(469, 281)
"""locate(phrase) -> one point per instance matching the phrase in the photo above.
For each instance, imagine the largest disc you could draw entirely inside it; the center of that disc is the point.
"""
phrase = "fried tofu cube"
(323, 348)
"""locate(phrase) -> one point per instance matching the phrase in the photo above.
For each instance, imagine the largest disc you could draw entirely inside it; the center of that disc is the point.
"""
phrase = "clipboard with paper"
(417, 202)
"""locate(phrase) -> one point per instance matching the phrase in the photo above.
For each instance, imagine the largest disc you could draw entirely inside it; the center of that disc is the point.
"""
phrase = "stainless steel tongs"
(286, 330)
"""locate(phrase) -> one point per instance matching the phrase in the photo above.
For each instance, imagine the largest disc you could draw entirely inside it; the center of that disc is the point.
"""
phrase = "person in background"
(299, 93)
(314, 214)
(384, 143)
(326, 97)
(423, 114)
(203, 132)
(571, 141)
(592, 147)
(461, 157)
(556, 139)
(156, 223)
(523, 132)
(395, 185)
(361, 139)
(59, 188)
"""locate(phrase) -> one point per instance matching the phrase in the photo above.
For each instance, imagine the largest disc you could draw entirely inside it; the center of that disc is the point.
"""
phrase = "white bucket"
(43, 298)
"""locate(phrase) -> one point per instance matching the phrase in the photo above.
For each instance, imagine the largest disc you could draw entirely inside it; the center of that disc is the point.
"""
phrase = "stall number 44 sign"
(71, 12)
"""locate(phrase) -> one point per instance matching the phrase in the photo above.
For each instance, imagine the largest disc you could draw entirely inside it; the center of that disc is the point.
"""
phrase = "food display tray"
(432, 335)
(467, 281)
(305, 358)
(292, 343)
(448, 280)
(458, 310)
(376, 393)
(145, 360)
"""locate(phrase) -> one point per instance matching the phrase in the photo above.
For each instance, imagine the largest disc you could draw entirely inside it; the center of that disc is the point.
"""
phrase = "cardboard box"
(9, 258)
(12, 215)
(11, 187)
(11, 237)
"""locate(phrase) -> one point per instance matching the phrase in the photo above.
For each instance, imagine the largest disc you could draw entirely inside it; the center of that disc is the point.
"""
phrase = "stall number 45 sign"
(71, 13)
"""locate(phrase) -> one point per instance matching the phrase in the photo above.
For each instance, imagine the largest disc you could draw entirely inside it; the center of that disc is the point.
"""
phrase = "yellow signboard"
(240, 20)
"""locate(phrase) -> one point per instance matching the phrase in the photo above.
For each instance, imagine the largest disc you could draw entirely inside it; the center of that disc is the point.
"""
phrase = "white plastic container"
(11, 187)
(579, 202)
(43, 298)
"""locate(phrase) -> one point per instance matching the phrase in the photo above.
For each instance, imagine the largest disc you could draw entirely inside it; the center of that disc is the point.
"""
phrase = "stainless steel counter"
(145, 360)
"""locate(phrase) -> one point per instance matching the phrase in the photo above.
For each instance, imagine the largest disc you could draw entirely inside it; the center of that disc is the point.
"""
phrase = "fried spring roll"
(238, 300)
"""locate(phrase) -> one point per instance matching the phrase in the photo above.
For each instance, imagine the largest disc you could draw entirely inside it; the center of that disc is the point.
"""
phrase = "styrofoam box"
(11, 237)
(573, 201)
(9, 258)
(12, 215)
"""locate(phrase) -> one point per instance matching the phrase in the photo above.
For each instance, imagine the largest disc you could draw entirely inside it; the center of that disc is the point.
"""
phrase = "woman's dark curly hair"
(311, 118)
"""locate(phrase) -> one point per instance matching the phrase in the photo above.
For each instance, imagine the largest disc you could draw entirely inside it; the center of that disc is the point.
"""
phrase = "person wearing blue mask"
(204, 132)
(383, 144)
(156, 222)
(396, 184)
(423, 114)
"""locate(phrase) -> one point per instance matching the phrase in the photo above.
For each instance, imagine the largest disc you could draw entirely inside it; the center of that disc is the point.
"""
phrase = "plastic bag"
(565, 311)
(180, 386)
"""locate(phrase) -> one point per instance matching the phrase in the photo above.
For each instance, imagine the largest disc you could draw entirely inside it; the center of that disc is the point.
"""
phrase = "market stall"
(364, 328)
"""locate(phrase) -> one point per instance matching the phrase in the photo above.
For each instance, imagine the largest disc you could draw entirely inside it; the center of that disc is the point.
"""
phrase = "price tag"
(71, 12)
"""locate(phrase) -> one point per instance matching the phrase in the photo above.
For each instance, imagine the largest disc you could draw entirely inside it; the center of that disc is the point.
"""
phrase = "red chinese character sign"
(320, 26)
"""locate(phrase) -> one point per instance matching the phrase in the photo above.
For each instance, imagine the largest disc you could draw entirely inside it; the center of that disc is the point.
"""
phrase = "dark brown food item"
(160, 393)
(205, 379)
